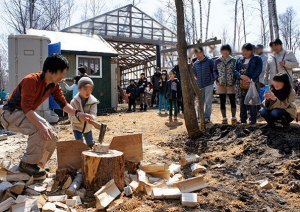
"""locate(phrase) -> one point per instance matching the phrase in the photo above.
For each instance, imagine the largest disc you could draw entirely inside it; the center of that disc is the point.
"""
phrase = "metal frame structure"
(136, 36)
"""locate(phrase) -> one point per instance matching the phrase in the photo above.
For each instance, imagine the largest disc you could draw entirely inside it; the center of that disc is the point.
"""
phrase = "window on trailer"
(93, 64)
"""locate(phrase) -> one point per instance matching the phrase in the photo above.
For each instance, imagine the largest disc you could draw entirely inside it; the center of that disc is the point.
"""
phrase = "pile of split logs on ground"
(108, 171)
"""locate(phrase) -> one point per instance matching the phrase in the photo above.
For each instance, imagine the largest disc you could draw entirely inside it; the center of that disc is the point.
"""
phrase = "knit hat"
(85, 81)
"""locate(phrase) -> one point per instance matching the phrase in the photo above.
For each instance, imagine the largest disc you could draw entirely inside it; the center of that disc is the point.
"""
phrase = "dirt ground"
(237, 159)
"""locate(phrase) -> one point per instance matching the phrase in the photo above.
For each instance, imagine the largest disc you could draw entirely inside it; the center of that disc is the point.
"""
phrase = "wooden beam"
(193, 46)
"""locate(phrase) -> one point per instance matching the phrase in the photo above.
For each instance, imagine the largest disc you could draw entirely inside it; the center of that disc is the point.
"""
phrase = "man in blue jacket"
(203, 71)
(248, 67)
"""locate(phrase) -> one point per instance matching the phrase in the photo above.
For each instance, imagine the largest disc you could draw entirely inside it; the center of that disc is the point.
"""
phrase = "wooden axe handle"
(95, 124)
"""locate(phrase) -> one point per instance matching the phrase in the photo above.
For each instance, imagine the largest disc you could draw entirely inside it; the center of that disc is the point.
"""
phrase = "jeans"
(143, 101)
(244, 109)
(173, 103)
(272, 116)
(162, 99)
(207, 97)
(87, 136)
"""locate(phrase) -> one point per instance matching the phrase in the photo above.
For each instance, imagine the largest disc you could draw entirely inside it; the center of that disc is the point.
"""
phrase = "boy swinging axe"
(19, 113)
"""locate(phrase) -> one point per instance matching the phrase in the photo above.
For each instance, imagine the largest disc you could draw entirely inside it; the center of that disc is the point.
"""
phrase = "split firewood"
(62, 206)
(67, 183)
(4, 186)
(147, 187)
(48, 184)
(60, 198)
(174, 168)
(37, 187)
(191, 184)
(3, 174)
(189, 199)
(31, 192)
(134, 185)
(7, 194)
(71, 202)
(154, 179)
(3, 137)
(106, 194)
(8, 166)
(25, 203)
(15, 177)
(5, 205)
(49, 207)
(51, 175)
(197, 168)
(188, 159)
(75, 185)
(17, 188)
(128, 191)
(77, 199)
(173, 180)
(41, 200)
(165, 193)
(266, 185)
(146, 167)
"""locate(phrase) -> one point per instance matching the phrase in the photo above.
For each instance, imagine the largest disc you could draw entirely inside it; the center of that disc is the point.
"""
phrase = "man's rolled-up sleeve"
(59, 96)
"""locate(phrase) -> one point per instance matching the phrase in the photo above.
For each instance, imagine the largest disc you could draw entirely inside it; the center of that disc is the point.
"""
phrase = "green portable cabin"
(93, 52)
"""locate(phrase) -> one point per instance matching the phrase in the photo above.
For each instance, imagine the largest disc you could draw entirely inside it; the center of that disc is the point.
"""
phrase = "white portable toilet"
(26, 54)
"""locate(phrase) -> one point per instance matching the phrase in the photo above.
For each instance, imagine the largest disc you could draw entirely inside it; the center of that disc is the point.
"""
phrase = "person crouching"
(85, 102)
(279, 104)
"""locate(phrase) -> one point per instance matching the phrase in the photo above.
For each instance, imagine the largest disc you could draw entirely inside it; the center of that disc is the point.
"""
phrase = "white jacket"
(290, 62)
(90, 108)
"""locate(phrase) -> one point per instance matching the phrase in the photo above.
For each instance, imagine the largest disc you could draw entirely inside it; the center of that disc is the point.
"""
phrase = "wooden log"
(188, 159)
(5, 205)
(75, 185)
(24, 203)
(99, 168)
(15, 177)
(60, 198)
(165, 193)
(67, 183)
(49, 207)
(106, 194)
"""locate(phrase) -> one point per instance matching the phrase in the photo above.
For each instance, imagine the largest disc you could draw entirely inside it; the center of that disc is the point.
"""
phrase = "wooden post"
(99, 168)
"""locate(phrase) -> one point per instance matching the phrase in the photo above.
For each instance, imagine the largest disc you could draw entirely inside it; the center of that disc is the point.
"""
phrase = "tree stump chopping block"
(99, 168)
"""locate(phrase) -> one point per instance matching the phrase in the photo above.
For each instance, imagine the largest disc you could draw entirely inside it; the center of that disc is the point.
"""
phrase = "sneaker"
(234, 121)
(159, 112)
(170, 119)
(31, 169)
(224, 121)
(166, 113)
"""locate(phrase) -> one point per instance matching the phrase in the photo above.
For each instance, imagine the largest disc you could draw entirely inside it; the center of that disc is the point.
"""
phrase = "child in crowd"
(279, 104)
(173, 93)
(223, 72)
(74, 87)
(84, 101)
(162, 93)
(142, 84)
(149, 92)
(131, 92)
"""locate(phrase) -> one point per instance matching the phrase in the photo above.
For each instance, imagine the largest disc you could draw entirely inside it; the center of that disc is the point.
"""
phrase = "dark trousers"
(173, 104)
(244, 109)
(223, 104)
(275, 115)
(131, 103)
(154, 97)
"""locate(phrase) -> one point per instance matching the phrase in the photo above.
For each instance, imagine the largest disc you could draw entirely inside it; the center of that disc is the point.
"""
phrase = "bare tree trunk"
(235, 23)
(188, 99)
(275, 19)
(263, 27)
(194, 24)
(270, 11)
(244, 23)
(201, 21)
(207, 22)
